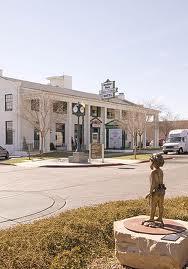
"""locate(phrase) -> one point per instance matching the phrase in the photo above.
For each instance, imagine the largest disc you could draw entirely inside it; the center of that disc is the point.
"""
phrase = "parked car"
(4, 153)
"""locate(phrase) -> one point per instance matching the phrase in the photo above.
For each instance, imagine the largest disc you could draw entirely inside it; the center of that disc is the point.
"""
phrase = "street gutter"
(1, 163)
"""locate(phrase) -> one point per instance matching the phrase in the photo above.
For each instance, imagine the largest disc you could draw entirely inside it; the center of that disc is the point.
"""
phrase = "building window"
(110, 113)
(8, 102)
(35, 104)
(124, 114)
(95, 111)
(9, 132)
(60, 107)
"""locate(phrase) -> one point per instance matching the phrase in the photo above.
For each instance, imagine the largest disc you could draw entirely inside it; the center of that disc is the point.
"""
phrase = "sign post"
(89, 153)
(102, 153)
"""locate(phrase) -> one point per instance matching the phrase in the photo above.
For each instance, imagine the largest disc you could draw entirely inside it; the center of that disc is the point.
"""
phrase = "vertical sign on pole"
(96, 151)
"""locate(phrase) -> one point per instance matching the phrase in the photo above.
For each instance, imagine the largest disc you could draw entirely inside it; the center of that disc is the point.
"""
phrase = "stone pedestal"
(143, 247)
(78, 157)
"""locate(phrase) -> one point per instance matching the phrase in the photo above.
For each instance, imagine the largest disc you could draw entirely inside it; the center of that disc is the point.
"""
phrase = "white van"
(177, 141)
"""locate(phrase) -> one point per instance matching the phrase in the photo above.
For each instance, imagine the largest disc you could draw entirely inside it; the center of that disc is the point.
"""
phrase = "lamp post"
(79, 111)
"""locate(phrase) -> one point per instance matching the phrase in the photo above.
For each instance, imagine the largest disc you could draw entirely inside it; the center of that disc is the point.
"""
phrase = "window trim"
(59, 107)
(95, 111)
(9, 103)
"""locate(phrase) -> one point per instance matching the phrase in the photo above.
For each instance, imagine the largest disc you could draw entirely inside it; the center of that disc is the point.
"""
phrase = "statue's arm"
(153, 180)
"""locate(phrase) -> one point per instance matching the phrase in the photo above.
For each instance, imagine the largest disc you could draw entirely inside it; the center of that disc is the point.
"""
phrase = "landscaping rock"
(148, 251)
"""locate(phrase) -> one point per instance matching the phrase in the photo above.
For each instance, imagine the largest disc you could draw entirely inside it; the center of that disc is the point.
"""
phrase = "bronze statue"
(157, 191)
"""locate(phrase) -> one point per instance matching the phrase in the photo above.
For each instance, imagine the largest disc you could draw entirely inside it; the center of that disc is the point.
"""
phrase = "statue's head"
(157, 160)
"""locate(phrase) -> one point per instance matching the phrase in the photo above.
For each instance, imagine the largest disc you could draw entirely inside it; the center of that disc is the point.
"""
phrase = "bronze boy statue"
(157, 191)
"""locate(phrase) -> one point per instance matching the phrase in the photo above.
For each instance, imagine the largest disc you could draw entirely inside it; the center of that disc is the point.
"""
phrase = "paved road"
(30, 193)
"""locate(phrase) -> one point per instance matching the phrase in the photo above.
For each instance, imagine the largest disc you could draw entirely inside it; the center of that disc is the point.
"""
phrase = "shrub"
(74, 238)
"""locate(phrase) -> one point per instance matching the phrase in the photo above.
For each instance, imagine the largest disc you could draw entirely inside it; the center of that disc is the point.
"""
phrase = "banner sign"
(115, 138)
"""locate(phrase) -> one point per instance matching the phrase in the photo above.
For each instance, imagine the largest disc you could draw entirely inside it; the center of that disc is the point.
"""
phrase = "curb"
(94, 165)
(80, 166)
(1, 163)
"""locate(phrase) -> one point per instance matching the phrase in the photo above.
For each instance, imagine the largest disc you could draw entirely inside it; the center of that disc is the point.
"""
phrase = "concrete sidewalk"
(63, 162)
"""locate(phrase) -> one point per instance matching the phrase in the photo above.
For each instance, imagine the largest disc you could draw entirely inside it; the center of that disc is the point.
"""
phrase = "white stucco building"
(100, 121)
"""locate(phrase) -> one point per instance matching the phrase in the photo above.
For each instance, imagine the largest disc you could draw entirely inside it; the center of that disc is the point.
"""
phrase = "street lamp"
(79, 111)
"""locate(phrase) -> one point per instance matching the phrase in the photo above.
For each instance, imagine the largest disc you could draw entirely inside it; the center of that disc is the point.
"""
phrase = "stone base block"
(150, 251)
(78, 157)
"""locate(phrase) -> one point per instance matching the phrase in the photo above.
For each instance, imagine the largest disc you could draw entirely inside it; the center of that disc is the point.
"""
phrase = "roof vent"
(61, 81)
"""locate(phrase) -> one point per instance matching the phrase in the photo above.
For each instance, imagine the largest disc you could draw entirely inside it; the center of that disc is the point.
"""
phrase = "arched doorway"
(115, 136)
(95, 127)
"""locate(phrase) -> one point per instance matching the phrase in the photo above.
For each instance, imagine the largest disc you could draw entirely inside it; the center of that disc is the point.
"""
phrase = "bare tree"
(154, 104)
(135, 124)
(167, 120)
(167, 123)
(37, 110)
(142, 119)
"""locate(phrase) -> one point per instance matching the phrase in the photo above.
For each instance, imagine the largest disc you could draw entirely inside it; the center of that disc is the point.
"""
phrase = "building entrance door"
(115, 136)
(95, 135)
(60, 134)
(95, 130)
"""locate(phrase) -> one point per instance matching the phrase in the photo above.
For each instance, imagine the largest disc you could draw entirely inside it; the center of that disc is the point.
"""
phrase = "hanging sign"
(108, 89)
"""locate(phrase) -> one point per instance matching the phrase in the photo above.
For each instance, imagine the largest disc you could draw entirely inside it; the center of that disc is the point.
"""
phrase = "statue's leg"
(154, 201)
(153, 205)
(161, 208)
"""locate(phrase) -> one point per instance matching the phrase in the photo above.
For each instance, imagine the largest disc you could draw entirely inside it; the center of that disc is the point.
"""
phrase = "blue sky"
(143, 45)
